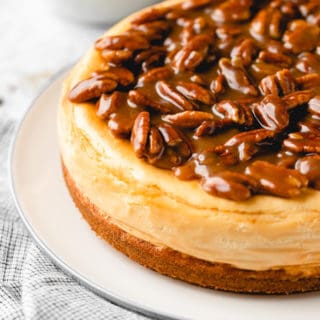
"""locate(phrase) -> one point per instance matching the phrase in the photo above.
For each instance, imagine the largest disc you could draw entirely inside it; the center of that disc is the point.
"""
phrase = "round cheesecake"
(266, 243)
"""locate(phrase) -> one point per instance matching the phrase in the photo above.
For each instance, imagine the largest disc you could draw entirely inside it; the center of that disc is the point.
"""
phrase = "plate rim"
(88, 284)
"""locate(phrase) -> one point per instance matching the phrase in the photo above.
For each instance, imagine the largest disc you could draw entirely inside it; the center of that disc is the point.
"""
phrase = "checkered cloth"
(31, 286)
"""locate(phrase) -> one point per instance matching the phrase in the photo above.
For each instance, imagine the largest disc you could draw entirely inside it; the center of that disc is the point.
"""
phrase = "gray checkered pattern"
(31, 286)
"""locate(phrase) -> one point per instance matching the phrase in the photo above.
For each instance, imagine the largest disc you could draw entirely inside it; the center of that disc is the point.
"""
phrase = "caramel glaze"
(256, 67)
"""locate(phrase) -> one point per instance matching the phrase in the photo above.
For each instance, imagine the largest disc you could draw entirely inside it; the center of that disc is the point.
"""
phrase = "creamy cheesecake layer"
(258, 234)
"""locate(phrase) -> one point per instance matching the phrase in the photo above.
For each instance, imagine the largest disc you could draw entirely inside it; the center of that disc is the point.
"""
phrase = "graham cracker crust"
(184, 267)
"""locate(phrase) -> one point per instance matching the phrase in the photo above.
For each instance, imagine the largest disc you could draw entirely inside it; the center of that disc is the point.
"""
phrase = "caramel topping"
(227, 92)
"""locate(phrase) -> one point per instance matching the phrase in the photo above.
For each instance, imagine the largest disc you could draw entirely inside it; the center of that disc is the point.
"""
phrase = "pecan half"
(236, 76)
(245, 50)
(155, 145)
(140, 99)
(193, 53)
(276, 180)
(309, 81)
(140, 133)
(309, 167)
(271, 113)
(243, 146)
(267, 23)
(260, 69)
(155, 74)
(150, 15)
(154, 30)
(91, 88)
(302, 142)
(232, 111)
(314, 106)
(285, 81)
(188, 119)
(168, 93)
(108, 104)
(209, 127)
(178, 147)
(230, 185)
(126, 41)
(171, 136)
(116, 57)
(217, 85)
(276, 25)
(296, 35)
(280, 59)
(195, 92)
(281, 83)
(269, 85)
(146, 54)
(122, 75)
(297, 98)
(231, 11)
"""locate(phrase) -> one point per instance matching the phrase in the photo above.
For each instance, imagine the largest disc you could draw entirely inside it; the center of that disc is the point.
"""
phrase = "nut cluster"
(227, 92)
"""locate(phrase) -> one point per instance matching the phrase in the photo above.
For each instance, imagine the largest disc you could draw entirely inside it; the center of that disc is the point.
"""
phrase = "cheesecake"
(190, 140)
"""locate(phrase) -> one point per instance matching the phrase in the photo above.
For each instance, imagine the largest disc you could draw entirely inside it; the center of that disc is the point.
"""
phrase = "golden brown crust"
(184, 267)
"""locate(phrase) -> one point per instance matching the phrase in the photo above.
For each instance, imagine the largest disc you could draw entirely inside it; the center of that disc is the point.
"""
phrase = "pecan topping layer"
(225, 91)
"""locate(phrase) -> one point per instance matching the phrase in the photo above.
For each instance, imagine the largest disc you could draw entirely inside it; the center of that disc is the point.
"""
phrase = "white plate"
(57, 226)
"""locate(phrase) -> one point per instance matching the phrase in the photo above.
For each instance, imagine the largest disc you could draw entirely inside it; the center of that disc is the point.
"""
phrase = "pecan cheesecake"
(190, 141)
